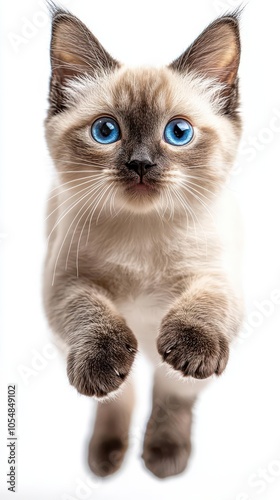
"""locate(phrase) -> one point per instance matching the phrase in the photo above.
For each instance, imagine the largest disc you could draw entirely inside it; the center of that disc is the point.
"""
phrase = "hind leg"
(109, 441)
(167, 442)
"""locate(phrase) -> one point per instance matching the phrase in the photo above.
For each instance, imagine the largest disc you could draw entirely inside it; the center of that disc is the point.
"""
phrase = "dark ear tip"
(232, 17)
(55, 10)
(52, 7)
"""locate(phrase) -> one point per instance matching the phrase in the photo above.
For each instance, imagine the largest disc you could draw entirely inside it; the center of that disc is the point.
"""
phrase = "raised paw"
(99, 363)
(196, 351)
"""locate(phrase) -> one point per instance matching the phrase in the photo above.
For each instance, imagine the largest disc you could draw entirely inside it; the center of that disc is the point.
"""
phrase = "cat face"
(143, 139)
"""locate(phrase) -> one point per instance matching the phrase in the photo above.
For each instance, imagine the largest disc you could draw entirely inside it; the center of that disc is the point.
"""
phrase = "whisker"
(112, 201)
(172, 206)
(79, 241)
(80, 237)
(99, 198)
(87, 177)
(189, 184)
(64, 239)
(160, 215)
(80, 162)
(72, 196)
(189, 209)
(67, 210)
(104, 203)
(190, 190)
(64, 213)
(161, 205)
(92, 195)
(179, 198)
(72, 238)
(180, 174)
(120, 209)
(197, 185)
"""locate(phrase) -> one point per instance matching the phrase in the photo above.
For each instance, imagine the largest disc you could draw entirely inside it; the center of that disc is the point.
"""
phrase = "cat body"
(144, 240)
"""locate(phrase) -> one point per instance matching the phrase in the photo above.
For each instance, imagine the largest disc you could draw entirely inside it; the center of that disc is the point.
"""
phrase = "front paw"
(194, 350)
(98, 364)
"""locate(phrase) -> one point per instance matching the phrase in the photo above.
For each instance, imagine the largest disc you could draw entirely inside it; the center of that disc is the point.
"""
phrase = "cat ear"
(74, 52)
(216, 54)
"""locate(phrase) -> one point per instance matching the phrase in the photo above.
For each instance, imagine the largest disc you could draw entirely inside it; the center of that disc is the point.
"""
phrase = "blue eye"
(178, 132)
(105, 130)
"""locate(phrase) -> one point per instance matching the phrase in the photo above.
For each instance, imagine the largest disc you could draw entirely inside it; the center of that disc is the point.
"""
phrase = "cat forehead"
(143, 89)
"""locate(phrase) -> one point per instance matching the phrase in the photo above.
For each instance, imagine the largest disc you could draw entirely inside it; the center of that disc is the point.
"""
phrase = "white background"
(236, 431)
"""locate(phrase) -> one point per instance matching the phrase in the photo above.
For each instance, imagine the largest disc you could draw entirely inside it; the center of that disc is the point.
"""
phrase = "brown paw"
(106, 456)
(100, 362)
(195, 351)
(165, 458)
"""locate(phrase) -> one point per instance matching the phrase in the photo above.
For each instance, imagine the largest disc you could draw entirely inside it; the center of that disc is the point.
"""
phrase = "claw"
(130, 349)
(165, 354)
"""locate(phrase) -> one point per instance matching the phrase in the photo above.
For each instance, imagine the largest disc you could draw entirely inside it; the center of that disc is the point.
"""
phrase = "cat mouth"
(140, 187)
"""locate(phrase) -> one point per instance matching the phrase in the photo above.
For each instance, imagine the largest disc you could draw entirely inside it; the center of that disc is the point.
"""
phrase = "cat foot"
(198, 352)
(165, 458)
(100, 363)
(106, 455)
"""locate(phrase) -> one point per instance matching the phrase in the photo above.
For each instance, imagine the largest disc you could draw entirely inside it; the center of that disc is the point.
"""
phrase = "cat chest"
(144, 312)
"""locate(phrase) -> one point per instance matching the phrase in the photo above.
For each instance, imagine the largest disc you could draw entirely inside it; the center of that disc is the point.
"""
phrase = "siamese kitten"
(143, 238)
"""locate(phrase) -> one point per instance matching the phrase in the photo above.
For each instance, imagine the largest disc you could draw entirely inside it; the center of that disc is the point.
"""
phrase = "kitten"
(143, 238)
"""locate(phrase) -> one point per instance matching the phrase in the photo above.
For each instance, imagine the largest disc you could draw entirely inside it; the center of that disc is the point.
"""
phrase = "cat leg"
(100, 346)
(109, 441)
(167, 442)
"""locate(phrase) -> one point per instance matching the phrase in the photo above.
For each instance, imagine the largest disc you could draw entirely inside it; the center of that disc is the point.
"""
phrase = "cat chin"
(141, 200)
(140, 206)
